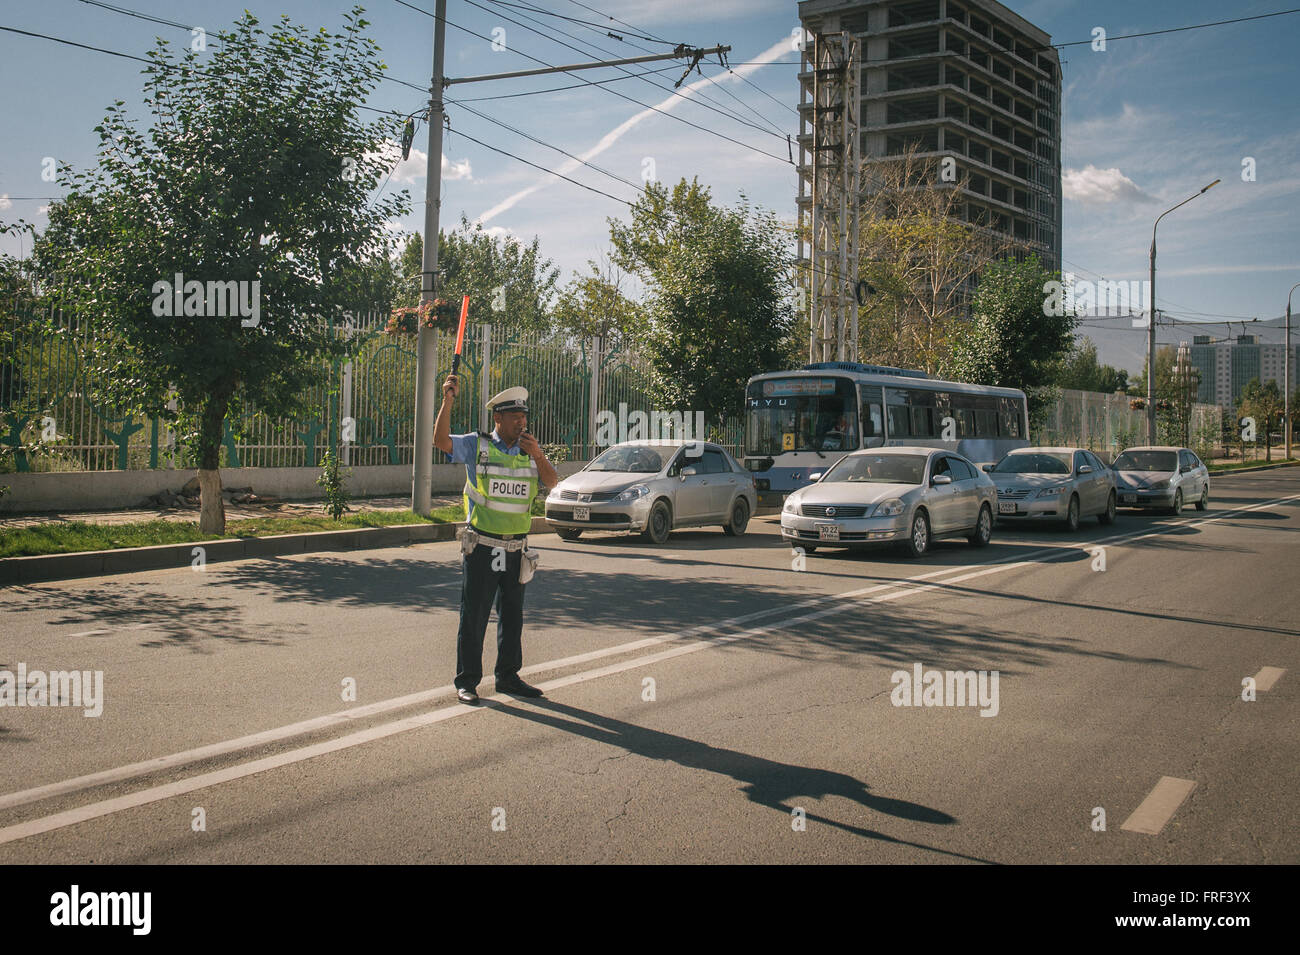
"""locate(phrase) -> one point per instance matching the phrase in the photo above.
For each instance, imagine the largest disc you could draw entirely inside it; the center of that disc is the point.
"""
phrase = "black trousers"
(481, 586)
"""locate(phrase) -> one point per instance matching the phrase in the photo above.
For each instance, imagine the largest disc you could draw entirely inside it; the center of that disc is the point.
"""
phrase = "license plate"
(828, 532)
(1129, 498)
(1006, 507)
(582, 513)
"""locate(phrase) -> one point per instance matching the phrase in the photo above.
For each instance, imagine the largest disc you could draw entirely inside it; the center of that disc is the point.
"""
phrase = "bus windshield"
(800, 414)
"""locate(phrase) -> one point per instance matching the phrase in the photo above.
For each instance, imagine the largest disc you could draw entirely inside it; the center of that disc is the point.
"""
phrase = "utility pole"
(426, 361)
(426, 385)
(1286, 376)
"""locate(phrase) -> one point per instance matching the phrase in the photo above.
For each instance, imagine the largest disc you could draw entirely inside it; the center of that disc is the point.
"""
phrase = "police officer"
(504, 473)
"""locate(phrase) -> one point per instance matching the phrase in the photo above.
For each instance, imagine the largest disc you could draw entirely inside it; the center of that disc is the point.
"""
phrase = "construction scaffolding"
(829, 159)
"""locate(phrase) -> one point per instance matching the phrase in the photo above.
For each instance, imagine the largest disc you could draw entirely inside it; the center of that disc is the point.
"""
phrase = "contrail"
(569, 165)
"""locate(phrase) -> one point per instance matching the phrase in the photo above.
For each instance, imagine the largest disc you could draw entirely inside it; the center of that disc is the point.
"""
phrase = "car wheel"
(569, 533)
(1108, 516)
(983, 528)
(807, 548)
(739, 518)
(918, 542)
(659, 525)
(1072, 514)
(1178, 502)
(1204, 503)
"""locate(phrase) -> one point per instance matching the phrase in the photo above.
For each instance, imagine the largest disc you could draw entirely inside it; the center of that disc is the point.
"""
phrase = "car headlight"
(1158, 486)
(1053, 490)
(890, 508)
(791, 506)
(633, 493)
(554, 495)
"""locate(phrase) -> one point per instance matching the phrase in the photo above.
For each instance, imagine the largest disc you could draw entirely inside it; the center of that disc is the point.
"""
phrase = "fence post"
(345, 412)
(485, 381)
(593, 402)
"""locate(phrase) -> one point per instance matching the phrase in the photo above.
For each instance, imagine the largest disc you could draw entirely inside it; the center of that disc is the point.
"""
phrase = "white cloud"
(5, 201)
(501, 232)
(416, 165)
(1092, 185)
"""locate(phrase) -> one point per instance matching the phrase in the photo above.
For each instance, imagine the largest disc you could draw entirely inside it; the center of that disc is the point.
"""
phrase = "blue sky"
(1146, 123)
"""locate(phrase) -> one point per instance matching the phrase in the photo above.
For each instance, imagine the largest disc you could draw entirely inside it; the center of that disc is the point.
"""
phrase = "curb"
(125, 560)
(1261, 467)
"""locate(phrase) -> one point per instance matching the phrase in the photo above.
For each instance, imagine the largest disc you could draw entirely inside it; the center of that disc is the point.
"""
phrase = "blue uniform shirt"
(464, 450)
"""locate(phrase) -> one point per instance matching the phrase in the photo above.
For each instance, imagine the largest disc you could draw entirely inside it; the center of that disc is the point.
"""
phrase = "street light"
(1286, 375)
(1151, 329)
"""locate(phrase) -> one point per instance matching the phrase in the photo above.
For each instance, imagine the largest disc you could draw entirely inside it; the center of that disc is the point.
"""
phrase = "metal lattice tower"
(829, 146)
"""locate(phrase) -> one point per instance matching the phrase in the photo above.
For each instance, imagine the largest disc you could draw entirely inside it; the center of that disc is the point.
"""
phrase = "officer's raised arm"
(442, 426)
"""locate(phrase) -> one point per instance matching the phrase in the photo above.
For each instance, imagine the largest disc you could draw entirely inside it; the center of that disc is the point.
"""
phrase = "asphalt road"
(707, 701)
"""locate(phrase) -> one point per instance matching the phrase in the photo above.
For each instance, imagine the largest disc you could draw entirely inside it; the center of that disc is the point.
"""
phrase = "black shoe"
(468, 697)
(518, 687)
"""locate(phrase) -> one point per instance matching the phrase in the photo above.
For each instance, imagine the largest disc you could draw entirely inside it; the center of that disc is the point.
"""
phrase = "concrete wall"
(105, 490)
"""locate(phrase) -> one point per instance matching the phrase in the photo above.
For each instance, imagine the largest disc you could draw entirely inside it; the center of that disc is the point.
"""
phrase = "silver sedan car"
(654, 487)
(910, 496)
(1054, 484)
(1162, 477)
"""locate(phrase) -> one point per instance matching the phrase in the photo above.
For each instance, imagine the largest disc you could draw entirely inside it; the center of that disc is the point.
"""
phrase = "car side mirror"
(687, 472)
(817, 476)
(1085, 468)
(940, 479)
(1185, 469)
(987, 467)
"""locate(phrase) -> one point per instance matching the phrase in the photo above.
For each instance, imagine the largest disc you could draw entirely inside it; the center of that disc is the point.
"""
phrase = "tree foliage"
(1081, 370)
(255, 166)
(1010, 342)
(717, 280)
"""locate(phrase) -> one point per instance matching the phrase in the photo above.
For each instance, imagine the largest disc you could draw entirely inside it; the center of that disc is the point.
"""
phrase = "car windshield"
(1147, 461)
(1037, 463)
(634, 458)
(879, 469)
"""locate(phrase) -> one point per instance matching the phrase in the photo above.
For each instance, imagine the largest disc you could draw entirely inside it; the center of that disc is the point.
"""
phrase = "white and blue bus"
(801, 422)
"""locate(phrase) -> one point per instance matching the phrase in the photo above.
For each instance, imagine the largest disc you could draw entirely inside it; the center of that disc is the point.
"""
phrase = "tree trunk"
(212, 509)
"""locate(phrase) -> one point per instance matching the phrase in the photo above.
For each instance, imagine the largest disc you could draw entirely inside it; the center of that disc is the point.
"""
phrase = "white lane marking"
(1159, 806)
(304, 727)
(1266, 677)
(89, 633)
(312, 725)
(158, 793)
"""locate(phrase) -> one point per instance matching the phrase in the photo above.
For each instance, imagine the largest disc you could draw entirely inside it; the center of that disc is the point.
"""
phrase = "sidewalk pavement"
(234, 512)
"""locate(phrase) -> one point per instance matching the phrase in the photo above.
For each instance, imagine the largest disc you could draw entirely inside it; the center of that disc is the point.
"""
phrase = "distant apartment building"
(967, 79)
(1226, 367)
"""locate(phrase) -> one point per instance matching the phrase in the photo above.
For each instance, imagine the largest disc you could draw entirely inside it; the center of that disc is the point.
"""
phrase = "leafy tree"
(1081, 371)
(920, 257)
(1166, 385)
(1010, 342)
(508, 283)
(256, 167)
(1264, 404)
(717, 279)
(593, 305)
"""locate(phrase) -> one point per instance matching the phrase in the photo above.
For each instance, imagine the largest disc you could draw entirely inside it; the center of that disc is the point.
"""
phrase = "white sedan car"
(910, 496)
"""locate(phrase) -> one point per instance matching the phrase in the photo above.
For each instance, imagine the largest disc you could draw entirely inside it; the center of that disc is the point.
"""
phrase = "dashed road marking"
(1266, 677)
(1159, 806)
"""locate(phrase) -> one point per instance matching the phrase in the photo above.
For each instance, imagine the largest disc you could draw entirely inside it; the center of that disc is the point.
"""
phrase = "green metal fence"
(364, 403)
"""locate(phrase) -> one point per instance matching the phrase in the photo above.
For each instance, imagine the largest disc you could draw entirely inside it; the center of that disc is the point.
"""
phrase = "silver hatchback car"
(654, 487)
(907, 495)
(1162, 477)
(1053, 484)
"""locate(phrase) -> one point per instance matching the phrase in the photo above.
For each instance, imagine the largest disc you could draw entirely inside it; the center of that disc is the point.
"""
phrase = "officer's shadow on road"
(764, 781)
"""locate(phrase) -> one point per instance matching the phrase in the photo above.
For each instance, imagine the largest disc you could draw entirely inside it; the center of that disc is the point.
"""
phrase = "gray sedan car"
(654, 487)
(1162, 477)
(907, 495)
(1054, 484)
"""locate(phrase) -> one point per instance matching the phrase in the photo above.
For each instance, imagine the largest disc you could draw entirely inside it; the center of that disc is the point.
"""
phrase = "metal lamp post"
(1151, 328)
